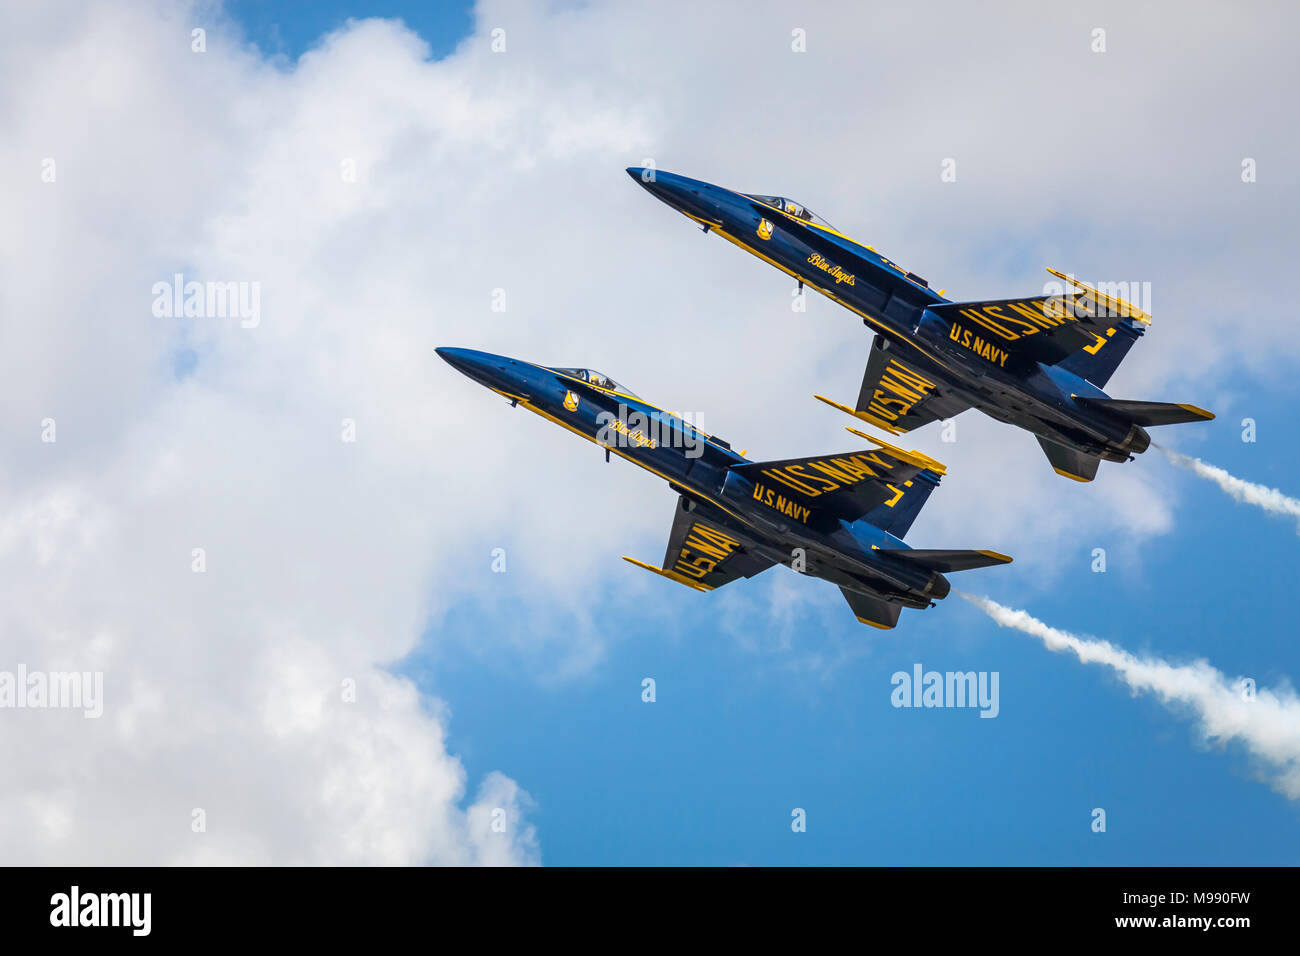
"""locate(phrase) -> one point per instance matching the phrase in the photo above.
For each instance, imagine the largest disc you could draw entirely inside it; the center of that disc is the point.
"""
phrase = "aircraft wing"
(898, 397)
(1041, 328)
(846, 486)
(702, 553)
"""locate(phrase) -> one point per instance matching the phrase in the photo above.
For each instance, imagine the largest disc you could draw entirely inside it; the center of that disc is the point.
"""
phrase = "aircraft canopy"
(793, 208)
(592, 377)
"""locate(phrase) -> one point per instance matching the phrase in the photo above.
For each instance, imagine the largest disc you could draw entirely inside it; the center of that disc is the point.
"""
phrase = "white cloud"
(325, 560)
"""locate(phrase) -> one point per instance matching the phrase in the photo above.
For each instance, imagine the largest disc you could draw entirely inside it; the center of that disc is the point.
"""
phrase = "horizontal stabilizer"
(1069, 462)
(872, 610)
(945, 561)
(1148, 413)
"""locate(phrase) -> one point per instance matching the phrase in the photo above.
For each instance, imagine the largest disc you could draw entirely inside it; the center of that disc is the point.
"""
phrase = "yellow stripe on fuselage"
(591, 438)
(902, 273)
(610, 391)
(871, 320)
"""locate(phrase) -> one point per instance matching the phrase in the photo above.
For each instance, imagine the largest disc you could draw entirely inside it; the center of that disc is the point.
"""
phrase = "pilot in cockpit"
(593, 377)
(793, 208)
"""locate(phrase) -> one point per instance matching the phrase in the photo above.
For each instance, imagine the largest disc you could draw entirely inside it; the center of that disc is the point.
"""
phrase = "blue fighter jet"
(1039, 363)
(837, 517)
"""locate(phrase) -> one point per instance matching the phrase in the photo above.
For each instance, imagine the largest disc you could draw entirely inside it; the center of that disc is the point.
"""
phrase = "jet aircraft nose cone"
(696, 199)
(495, 371)
(456, 358)
(477, 365)
(656, 180)
(648, 179)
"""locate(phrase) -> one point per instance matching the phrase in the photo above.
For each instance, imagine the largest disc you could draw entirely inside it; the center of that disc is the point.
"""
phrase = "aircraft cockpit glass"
(794, 209)
(596, 378)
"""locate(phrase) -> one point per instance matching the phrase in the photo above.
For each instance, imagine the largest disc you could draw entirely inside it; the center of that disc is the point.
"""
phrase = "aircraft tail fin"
(1148, 413)
(1098, 361)
(872, 610)
(1069, 462)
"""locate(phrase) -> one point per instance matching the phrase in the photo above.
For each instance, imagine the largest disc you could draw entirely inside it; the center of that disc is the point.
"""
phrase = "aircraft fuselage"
(964, 359)
(757, 516)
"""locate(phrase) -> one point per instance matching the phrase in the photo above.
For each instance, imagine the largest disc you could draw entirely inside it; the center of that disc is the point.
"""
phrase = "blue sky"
(738, 736)
(291, 29)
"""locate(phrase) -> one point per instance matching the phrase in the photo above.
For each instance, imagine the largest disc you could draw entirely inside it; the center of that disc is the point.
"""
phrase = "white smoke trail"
(1270, 499)
(1266, 722)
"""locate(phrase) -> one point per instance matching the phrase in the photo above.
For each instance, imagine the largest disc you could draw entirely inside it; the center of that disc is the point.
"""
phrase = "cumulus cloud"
(382, 202)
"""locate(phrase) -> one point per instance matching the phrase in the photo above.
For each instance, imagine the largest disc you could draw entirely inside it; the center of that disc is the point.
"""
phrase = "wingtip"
(1126, 309)
(912, 457)
(670, 575)
(834, 404)
(864, 416)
